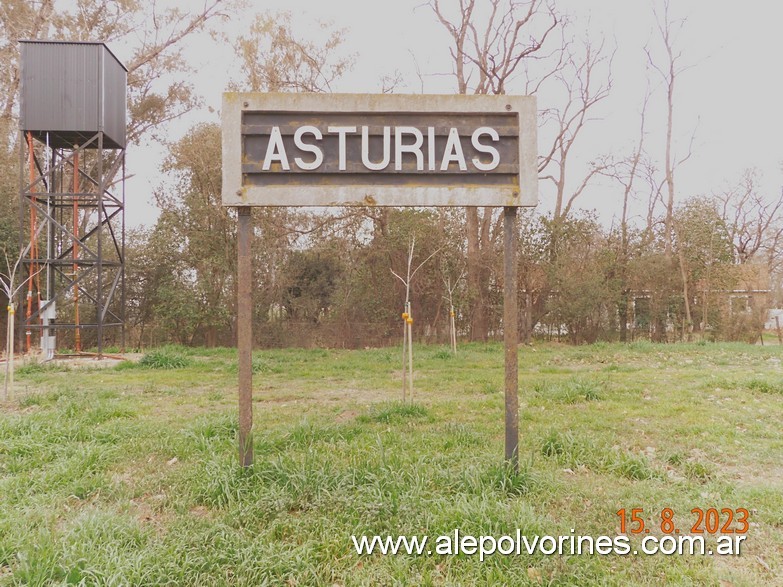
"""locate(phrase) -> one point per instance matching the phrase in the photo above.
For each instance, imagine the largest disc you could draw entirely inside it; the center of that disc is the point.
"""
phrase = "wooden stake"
(409, 323)
(8, 335)
(11, 337)
(404, 349)
(453, 332)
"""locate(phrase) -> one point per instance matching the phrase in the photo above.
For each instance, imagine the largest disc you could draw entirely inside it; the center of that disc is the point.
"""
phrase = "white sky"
(731, 96)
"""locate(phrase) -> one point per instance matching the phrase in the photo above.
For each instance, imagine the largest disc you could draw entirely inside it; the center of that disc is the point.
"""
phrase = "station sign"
(378, 150)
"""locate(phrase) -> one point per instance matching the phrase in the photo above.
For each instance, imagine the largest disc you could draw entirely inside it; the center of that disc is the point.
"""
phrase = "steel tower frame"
(72, 239)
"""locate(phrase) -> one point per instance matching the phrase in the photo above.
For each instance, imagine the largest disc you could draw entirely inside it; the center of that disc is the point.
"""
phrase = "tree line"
(328, 278)
(670, 266)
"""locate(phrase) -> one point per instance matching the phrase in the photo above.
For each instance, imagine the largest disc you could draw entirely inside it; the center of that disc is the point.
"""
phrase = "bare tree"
(489, 43)
(651, 176)
(407, 316)
(10, 289)
(627, 172)
(451, 286)
(753, 221)
(669, 71)
(585, 78)
(488, 48)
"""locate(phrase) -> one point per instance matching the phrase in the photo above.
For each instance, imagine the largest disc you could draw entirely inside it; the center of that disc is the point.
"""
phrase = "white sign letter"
(453, 152)
(431, 148)
(415, 148)
(366, 149)
(275, 151)
(485, 130)
(319, 154)
(342, 131)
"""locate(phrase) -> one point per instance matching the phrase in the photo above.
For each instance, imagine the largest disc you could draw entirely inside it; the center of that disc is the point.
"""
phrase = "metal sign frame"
(388, 187)
(373, 189)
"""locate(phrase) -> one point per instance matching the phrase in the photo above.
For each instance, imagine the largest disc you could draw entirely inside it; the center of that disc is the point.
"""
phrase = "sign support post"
(511, 335)
(245, 333)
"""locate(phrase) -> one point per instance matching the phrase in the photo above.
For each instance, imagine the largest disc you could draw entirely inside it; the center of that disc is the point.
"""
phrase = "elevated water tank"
(71, 91)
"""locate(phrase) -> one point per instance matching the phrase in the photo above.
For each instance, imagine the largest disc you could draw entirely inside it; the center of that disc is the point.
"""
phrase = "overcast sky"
(731, 97)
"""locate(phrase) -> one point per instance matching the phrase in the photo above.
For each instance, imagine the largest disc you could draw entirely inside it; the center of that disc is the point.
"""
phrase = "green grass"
(766, 386)
(129, 475)
(394, 413)
(164, 358)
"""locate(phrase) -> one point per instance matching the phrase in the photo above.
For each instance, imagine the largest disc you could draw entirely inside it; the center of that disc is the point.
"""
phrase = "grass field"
(129, 475)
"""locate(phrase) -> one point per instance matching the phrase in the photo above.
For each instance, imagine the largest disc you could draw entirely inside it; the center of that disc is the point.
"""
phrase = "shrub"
(765, 386)
(164, 358)
(443, 354)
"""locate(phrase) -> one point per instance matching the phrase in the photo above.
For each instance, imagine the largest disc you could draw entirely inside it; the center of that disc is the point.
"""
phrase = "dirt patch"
(12, 408)
(756, 476)
(346, 416)
(149, 511)
(200, 511)
(260, 398)
(89, 361)
(322, 396)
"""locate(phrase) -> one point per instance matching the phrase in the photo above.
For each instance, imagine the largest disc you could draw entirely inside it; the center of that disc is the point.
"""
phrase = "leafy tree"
(275, 58)
(201, 228)
(312, 277)
(703, 241)
(583, 293)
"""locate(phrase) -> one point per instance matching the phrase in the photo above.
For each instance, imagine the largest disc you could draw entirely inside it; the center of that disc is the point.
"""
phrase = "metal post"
(511, 336)
(122, 262)
(77, 335)
(99, 296)
(50, 226)
(33, 244)
(21, 205)
(245, 335)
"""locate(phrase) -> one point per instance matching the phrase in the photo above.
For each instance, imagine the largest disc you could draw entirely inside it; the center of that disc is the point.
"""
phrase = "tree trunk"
(479, 328)
(685, 292)
(623, 314)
